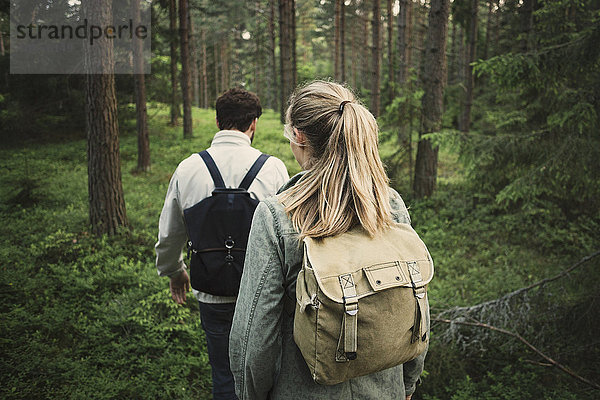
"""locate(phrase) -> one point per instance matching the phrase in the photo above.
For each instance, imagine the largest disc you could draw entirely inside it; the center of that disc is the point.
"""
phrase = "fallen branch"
(526, 343)
(507, 296)
(541, 364)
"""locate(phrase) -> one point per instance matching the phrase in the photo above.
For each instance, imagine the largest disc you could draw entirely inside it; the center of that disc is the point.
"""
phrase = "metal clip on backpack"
(218, 229)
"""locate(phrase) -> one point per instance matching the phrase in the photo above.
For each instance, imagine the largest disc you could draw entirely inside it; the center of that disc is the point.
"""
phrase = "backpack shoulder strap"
(212, 168)
(247, 181)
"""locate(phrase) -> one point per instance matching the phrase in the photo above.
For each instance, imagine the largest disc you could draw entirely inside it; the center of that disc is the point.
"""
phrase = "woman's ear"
(300, 138)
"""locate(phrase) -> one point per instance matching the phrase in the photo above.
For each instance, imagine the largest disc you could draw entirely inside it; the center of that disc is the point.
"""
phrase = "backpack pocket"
(209, 273)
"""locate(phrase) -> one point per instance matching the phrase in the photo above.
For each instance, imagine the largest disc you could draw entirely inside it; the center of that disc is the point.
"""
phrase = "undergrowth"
(87, 317)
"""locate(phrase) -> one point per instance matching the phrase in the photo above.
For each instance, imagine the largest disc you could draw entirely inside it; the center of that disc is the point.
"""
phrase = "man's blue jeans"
(216, 322)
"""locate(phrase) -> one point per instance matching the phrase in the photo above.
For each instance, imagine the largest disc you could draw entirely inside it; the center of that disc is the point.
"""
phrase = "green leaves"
(508, 70)
(539, 145)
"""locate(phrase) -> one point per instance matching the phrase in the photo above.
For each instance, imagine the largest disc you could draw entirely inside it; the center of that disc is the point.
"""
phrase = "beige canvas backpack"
(361, 302)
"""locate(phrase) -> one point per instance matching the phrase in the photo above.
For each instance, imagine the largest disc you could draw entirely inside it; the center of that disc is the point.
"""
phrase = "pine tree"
(107, 203)
(433, 80)
(465, 120)
(140, 96)
(287, 51)
(375, 58)
(173, 43)
(186, 67)
(390, 51)
(274, 81)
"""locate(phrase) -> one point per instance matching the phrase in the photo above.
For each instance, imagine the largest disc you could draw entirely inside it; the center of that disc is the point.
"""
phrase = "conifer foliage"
(539, 142)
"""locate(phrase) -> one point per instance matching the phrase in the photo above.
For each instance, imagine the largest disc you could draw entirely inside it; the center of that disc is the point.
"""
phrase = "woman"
(334, 139)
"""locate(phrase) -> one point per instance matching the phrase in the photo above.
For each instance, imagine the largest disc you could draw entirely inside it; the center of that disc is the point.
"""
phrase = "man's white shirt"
(191, 183)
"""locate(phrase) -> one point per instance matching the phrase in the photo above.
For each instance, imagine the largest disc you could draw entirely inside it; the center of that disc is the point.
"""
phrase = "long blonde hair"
(346, 183)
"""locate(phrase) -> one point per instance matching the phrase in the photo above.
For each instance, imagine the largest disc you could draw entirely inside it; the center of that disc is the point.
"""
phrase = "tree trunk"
(526, 11)
(366, 56)
(186, 73)
(404, 39)
(410, 6)
(259, 66)
(274, 88)
(336, 39)
(194, 62)
(107, 203)
(390, 52)
(418, 44)
(497, 27)
(225, 64)
(287, 53)
(410, 22)
(204, 70)
(488, 29)
(343, 41)
(2, 51)
(461, 56)
(216, 63)
(376, 54)
(355, 57)
(292, 17)
(465, 124)
(433, 79)
(340, 41)
(201, 66)
(284, 56)
(452, 55)
(140, 96)
(409, 150)
(424, 183)
(175, 112)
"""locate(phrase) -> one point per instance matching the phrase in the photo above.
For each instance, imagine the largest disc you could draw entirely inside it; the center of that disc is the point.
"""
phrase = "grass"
(86, 317)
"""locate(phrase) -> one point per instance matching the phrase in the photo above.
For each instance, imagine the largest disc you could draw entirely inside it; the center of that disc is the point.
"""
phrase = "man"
(237, 115)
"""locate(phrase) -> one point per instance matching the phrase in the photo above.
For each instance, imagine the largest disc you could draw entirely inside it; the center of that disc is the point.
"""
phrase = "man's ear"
(217, 122)
(253, 124)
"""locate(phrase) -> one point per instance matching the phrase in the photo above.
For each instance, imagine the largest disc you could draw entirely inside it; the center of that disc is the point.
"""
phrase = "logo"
(68, 37)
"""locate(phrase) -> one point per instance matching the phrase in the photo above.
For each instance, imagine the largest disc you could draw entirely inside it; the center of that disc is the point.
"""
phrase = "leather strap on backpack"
(419, 329)
(347, 343)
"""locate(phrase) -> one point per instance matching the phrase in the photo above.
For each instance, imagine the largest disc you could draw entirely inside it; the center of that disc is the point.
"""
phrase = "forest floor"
(86, 317)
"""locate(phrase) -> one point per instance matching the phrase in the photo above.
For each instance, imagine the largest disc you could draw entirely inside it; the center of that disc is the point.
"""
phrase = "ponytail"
(346, 183)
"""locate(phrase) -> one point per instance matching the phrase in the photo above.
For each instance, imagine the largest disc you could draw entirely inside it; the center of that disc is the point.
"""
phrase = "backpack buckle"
(229, 243)
(190, 249)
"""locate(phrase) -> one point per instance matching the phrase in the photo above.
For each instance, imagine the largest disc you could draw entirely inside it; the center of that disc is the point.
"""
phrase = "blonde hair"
(346, 183)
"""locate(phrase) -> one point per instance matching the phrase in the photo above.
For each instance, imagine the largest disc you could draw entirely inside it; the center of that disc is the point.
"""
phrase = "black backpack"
(218, 229)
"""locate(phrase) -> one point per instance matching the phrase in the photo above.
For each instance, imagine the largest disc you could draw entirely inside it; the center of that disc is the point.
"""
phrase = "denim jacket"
(265, 361)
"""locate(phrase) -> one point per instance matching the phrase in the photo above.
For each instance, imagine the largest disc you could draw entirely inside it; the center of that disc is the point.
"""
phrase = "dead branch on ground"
(515, 335)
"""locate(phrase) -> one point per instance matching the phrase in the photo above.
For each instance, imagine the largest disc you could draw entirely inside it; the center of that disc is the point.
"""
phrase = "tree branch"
(526, 343)
(524, 289)
(541, 364)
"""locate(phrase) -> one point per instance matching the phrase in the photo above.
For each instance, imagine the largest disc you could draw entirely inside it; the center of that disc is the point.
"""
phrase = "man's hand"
(409, 397)
(179, 285)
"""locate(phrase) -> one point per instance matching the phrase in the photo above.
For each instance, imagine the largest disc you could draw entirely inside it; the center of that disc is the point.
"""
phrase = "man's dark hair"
(237, 108)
